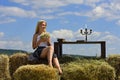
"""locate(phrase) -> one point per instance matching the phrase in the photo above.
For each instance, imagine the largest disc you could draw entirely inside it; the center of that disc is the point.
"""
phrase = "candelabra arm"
(89, 33)
(86, 32)
(83, 33)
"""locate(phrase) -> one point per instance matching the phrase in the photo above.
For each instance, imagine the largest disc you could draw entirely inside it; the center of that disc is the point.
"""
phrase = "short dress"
(39, 49)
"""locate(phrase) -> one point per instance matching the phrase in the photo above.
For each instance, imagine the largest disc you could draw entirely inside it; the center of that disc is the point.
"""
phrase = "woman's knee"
(51, 48)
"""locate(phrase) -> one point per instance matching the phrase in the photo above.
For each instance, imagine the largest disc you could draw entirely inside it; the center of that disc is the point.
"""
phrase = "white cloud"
(54, 3)
(19, 45)
(95, 36)
(42, 9)
(74, 1)
(63, 33)
(47, 3)
(14, 43)
(2, 44)
(36, 4)
(91, 3)
(111, 39)
(118, 22)
(15, 11)
(1, 34)
(6, 20)
(115, 5)
(47, 17)
(7, 14)
(23, 2)
(69, 13)
(98, 11)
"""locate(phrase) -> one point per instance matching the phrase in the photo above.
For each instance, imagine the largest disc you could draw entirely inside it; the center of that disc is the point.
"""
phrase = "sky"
(65, 19)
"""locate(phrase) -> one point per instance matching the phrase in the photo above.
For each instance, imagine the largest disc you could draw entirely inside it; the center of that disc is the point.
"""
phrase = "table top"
(80, 42)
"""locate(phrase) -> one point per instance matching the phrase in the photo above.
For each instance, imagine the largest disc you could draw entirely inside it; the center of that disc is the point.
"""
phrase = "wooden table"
(58, 46)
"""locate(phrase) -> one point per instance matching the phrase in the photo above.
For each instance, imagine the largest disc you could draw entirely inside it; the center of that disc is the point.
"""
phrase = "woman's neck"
(42, 31)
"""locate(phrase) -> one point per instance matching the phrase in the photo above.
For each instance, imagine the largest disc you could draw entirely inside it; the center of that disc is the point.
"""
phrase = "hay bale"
(114, 60)
(17, 60)
(105, 72)
(118, 77)
(88, 70)
(4, 68)
(35, 72)
(74, 72)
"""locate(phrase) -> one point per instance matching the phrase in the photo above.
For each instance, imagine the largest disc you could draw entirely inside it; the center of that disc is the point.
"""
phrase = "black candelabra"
(86, 32)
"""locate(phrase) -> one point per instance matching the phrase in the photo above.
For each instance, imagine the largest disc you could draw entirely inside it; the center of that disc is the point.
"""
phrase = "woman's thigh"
(44, 53)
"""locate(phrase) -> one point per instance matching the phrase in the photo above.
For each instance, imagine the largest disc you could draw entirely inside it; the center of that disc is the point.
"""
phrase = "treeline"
(11, 51)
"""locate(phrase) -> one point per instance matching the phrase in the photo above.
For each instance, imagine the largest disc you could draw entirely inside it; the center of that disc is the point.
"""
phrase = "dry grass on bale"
(4, 68)
(88, 70)
(119, 78)
(17, 60)
(36, 72)
(114, 60)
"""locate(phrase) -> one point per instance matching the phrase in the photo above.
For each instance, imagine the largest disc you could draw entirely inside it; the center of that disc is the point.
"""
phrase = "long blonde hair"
(39, 23)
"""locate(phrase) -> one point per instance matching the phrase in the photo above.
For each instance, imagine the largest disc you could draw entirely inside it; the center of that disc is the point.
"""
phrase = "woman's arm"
(49, 42)
(35, 43)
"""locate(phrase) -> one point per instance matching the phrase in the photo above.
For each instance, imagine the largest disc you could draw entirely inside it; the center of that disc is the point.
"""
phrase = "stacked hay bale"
(4, 68)
(88, 70)
(36, 72)
(114, 60)
(17, 60)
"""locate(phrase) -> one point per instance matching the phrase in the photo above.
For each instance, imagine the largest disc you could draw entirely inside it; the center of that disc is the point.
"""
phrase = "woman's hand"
(44, 39)
(49, 42)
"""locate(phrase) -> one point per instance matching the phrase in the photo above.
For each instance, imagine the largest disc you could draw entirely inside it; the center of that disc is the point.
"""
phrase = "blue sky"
(65, 18)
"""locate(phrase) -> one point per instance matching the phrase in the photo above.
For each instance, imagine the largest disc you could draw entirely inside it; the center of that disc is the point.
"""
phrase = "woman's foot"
(60, 72)
(50, 65)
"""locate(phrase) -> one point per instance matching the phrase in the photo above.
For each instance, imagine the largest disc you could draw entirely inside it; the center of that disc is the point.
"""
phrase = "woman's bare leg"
(44, 53)
(50, 55)
(48, 52)
(57, 65)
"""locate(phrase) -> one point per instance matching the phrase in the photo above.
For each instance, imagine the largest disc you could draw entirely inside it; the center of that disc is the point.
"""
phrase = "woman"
(43, 46)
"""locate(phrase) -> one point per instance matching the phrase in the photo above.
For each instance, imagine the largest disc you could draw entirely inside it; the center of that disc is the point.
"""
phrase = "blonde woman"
(43, 46)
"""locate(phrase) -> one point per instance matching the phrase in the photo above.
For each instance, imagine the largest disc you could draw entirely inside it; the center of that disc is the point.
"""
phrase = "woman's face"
(42, 26)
